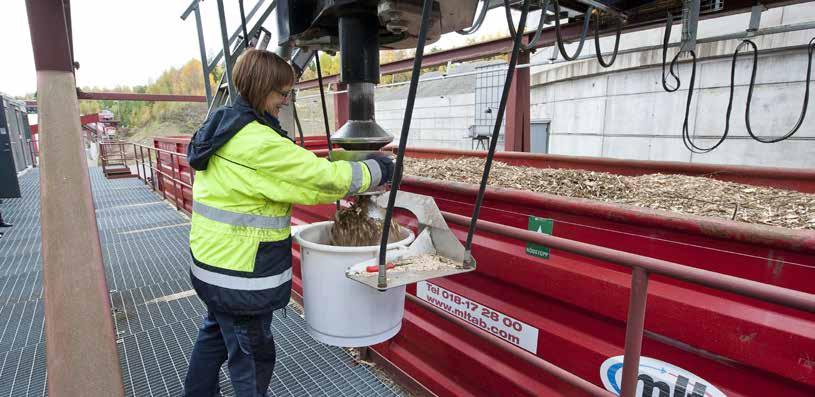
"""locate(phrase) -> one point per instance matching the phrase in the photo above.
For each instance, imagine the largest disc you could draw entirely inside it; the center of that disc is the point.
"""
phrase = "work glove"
(381, 169)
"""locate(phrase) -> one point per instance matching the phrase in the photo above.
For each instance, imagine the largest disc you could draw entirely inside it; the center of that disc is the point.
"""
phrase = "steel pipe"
(634, 328)
(127, 96)
(203, 49)
(227, 55)
(753, 289)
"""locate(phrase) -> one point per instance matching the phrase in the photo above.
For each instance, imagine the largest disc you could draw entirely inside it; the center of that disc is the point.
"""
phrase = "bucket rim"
(334, 248)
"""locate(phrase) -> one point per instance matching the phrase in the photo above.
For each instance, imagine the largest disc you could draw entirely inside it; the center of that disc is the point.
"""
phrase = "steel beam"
(227, 55)
(81, 351)
(196, 7)
(127, 96)
(49, 37)
(203, 49)
(570, 31)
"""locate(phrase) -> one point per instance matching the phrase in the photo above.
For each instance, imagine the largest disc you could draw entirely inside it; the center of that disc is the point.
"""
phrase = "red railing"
(175, 183)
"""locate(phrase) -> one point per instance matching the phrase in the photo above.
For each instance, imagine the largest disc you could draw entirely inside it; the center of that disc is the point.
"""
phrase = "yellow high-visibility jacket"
(240, 235)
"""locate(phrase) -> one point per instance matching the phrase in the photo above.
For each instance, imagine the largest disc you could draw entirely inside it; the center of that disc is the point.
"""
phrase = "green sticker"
(540, 225)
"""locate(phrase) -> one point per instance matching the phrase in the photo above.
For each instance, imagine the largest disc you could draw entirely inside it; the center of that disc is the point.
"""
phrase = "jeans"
(244, 342)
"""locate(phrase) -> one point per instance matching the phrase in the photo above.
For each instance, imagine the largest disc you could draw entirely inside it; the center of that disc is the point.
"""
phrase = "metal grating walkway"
(144, 243)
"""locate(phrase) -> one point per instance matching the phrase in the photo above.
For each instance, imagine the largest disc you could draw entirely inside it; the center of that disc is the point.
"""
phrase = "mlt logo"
(657, 379)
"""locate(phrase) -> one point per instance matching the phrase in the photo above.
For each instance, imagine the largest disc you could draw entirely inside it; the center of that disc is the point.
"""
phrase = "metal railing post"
(102, 157)
(634, 330)
(174, 163)
(152, 171)
(162, 186)
(143, 170)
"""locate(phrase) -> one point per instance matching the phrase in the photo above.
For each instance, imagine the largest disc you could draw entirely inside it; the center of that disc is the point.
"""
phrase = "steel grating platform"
(144, 243)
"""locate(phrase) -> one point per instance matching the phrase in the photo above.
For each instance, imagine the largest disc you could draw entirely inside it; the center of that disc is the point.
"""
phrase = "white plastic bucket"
(339, 311)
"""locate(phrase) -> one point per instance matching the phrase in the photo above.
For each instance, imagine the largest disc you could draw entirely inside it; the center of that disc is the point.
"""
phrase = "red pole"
(633, 331)
(174, 165)
(340, 106)
(81, 351)
(517, 127)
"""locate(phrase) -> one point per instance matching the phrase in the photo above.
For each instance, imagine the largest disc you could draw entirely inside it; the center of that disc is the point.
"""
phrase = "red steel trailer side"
(571, 310)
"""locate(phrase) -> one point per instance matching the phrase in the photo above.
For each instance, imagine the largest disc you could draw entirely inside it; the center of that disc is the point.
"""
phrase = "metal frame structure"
(194, 7)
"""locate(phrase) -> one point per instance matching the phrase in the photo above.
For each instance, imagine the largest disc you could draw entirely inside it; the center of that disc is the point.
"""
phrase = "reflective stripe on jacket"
(240, 235)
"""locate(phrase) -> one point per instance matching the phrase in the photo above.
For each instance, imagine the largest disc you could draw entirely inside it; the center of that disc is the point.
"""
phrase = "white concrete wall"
(439, 121)
(623, 112)
(627, 114)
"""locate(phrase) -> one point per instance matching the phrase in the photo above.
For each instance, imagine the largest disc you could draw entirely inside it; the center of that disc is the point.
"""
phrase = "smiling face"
(263, 79)
(276, 100)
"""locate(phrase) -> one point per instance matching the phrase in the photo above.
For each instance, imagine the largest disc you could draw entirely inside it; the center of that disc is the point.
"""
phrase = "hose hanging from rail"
(583, 34)
(322, 101)
(427, 7)
(811, 47)
(297, 121)
(325, 110)
(686, 138)
(597, 42)
(669, 20)
(508, 14)
(544, 6)
(499, 118)
(485, 5)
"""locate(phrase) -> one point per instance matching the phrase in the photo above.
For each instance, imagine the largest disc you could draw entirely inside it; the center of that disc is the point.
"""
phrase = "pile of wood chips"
(679, 193)
(354, 228)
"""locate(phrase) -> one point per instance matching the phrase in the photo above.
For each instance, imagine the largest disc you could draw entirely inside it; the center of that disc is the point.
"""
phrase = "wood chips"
(423, 263)
(679, 193)
(353, 228)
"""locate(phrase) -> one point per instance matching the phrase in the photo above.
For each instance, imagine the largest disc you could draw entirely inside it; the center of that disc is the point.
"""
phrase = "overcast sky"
(129, 42)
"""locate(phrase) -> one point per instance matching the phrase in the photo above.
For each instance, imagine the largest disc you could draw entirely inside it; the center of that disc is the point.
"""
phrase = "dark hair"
(258, 73)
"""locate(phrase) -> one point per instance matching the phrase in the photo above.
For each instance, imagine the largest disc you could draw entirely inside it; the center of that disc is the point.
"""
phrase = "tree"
(329, 65)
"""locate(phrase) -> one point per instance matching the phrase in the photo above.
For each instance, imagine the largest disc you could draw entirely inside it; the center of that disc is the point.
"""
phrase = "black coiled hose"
(669, 20)
(583, 34)
(811, 47)
(597, 42)
(485, 5)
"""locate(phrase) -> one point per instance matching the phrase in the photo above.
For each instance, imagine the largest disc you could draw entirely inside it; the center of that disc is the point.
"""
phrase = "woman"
(248, 175)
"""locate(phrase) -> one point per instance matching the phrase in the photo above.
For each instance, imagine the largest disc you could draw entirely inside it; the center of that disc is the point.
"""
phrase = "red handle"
(375, 268)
